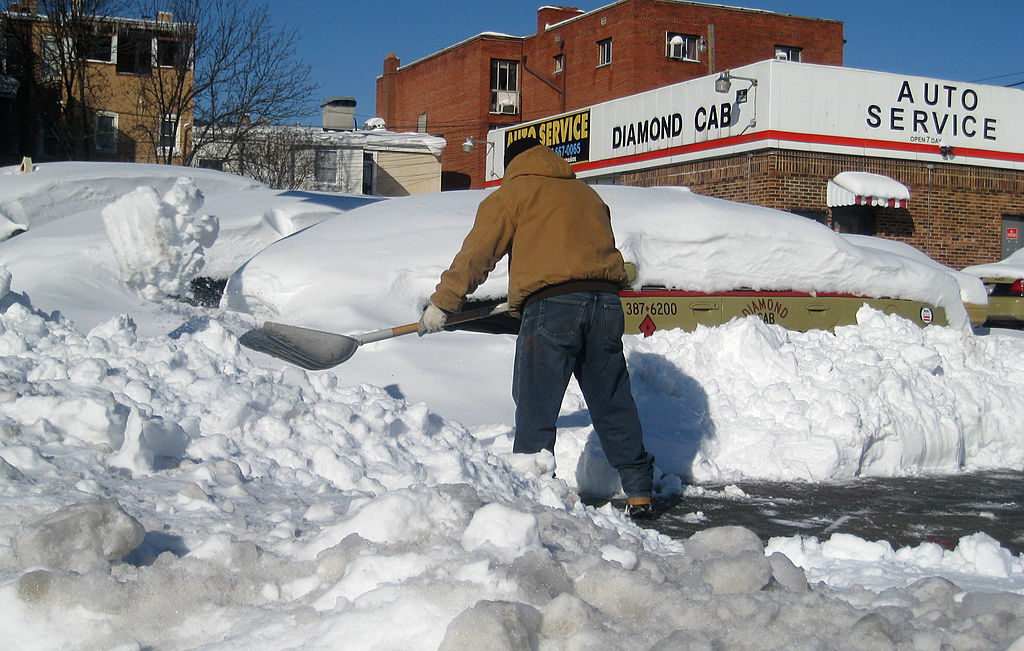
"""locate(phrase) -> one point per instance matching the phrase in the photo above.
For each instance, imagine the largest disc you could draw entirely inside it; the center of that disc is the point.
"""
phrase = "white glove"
(432, 321)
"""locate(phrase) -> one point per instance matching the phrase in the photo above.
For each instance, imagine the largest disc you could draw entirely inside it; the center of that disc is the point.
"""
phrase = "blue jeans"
(579, 334)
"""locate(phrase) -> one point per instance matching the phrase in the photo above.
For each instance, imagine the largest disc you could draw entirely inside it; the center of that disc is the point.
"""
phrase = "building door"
(1013, 234)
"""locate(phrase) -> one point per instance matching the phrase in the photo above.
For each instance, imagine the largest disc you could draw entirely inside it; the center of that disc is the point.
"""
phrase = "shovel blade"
(313, 350)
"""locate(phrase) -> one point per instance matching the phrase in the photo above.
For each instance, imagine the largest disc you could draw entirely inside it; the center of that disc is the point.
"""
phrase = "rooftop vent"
(339, 113)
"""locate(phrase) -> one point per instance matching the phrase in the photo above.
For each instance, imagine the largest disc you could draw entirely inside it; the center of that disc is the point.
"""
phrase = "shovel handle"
(409, 328)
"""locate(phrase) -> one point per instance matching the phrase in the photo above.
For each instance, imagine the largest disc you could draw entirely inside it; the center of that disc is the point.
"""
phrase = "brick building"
(934, 163)
(577, 59)
(101, 88)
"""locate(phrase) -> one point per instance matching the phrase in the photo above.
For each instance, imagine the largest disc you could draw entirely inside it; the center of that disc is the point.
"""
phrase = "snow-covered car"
(697, 260)
(1004, 282)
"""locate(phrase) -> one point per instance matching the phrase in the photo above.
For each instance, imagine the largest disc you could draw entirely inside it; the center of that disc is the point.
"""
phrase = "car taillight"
(1017, 288)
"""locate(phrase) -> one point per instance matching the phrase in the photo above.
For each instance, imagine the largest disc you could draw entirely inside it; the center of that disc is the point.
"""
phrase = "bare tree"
(235, 68)
(281, 157)
(76, 31)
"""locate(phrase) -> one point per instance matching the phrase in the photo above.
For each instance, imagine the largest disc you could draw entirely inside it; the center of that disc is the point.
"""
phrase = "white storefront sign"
(782, 104)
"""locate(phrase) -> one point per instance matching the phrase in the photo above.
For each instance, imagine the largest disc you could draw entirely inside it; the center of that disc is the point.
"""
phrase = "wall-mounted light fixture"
(470, 144)
(724, 81)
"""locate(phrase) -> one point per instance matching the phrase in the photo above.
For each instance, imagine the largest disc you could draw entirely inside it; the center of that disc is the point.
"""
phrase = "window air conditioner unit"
(507, 102)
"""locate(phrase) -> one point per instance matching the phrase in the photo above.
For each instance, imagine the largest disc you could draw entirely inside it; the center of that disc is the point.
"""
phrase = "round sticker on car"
(926, 315)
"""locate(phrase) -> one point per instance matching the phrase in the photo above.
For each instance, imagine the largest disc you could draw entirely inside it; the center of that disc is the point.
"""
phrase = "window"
(421, 123)
(171, 53)
(369, 166)
(12, 56)
(859, 220)
(106, 131)
(559, 63)
(168, 134)
(504, 86)
(49, 59)
(604, 52)
(682, 47)
(48, 142)
(97, 47)
(787, 53)
(326, 166)
(134, 52)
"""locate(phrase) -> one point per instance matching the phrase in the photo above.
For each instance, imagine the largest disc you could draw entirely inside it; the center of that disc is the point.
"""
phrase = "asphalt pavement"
(903, 511)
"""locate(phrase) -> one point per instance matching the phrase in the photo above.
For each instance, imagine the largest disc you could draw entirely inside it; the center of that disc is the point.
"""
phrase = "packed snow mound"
(159, 242)
(676, 239)
(54, 190)
(61, 204)
(752, 401)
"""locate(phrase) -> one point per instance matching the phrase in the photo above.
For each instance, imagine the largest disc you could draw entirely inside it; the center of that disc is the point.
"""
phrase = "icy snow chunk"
(401, 516)
(493, 625)
(975, 604)
(159, 242)
(786, 574)
(223, 549)
(9, 472)
(747, 571)
(504, 528)
(722, 541)
(367, 573)
(91, 415)
(982, 554)
(730, 559)
(148, 442)
(623, 557)
(689, 640)
(566, 614)
(80, 537)
(5, 281)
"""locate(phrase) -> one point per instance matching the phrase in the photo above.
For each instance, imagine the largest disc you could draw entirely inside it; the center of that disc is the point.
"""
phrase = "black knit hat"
(517, 147)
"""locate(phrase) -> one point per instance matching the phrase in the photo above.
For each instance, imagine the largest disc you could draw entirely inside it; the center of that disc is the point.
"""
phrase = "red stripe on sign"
(791, 136)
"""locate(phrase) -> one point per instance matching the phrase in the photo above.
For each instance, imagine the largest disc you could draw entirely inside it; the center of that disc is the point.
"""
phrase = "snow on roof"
(376, 139)
(865, 188)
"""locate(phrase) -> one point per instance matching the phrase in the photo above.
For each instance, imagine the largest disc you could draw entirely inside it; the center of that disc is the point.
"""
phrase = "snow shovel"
(316, 350)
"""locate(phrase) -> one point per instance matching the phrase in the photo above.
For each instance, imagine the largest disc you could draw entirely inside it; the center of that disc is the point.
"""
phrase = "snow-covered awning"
(866, 189)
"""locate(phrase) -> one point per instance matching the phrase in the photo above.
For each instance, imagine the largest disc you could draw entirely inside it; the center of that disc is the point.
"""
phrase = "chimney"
(339, 113)
(547, 16)
(164, 17)
(387, 90)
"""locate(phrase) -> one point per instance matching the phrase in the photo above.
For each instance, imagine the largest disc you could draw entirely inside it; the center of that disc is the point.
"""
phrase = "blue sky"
(346, 42)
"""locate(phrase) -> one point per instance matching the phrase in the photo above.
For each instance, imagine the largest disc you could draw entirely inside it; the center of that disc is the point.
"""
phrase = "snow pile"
(159, 242)
(62, 204)
(266, 507)
(883, 398)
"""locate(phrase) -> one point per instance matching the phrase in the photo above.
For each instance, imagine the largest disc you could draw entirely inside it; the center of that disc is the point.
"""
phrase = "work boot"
(639, 508)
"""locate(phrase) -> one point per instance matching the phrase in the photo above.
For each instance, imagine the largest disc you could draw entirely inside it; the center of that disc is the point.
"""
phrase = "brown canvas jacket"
(554, 228)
